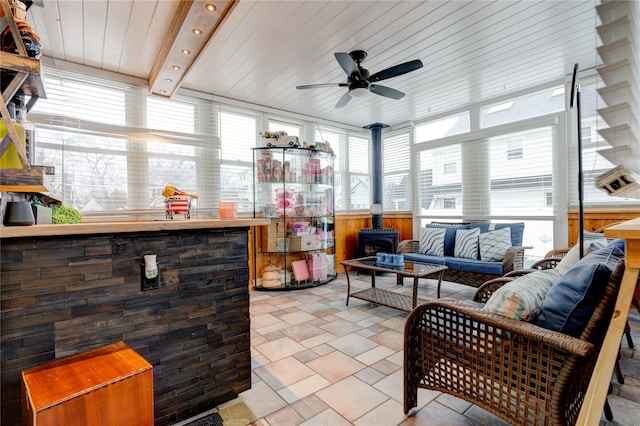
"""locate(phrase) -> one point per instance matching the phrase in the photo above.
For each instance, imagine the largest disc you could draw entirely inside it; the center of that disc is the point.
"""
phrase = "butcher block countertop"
(119, 227)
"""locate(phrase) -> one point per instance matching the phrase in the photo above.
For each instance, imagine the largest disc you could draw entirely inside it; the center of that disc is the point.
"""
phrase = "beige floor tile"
(369, 375)
(261, 399)
(314, 341)
(396, 323)
(264, 320)
(326, 418)
(353, 315)
(309, 406)
(285, 417)
(352, 344)
(297, 317)
(340, 327)
(335, 366)
(303, 388)
(392, 385)
(302, 332)
(280, 348)
(386, 367)
(374, 355)
(392, 339)
(283, 372)
(351, 398)
(389, 413)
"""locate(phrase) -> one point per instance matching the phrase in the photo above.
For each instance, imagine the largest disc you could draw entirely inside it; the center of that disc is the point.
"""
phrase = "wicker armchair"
(522, 373)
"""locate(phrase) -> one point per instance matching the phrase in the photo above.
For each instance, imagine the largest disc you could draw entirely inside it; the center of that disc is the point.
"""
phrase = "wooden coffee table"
(387, 297)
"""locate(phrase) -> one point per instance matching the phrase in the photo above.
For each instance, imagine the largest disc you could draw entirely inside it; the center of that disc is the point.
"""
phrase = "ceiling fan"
(360, 82)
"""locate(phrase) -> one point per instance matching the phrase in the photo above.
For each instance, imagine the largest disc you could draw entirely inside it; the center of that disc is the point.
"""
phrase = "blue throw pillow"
(572, 299)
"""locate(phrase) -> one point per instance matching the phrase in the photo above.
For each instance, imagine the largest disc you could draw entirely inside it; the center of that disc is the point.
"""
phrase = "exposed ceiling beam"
(195, 23)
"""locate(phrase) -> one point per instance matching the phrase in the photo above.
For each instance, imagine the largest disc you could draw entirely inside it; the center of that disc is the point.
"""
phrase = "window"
(437, 129)
(439, 183)
(291, 129)
(514, 150)
(358, 166)
(523, 182)
(238, 134)
(396, 158)
(532, 105)
(114, 147)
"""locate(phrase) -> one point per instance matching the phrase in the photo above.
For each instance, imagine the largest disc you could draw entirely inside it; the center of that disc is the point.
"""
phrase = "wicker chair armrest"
(518, 272)
(513, 259)
(408, 246)
(486, 290)
(494, 329)
(546, 263)
(558, 252)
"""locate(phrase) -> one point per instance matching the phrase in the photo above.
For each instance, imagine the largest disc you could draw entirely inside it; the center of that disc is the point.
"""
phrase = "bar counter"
(68, 289)
(118, 227)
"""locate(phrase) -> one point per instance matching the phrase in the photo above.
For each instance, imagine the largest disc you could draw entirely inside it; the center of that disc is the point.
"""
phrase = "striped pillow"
(494, 244)
(432, 241)
(524, 296)
(466, 243)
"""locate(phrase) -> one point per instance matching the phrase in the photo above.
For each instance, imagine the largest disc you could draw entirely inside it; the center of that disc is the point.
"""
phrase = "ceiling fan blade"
(386, 91)
(396, 70)
(315, 86)
(343, 100)
(347, 63)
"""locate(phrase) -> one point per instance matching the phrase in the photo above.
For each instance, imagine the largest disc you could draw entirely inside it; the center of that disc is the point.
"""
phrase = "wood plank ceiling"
(472, 50)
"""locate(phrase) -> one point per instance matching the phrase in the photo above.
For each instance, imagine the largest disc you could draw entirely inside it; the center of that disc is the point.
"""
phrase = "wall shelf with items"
(293, 187)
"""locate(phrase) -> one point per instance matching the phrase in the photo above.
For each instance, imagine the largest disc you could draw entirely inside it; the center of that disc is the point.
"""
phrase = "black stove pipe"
(376, 176)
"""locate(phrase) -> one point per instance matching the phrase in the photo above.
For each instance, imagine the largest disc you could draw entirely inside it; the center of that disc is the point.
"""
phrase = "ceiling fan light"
(359, 92)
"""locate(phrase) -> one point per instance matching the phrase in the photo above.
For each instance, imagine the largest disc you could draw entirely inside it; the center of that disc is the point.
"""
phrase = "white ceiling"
(471, 50)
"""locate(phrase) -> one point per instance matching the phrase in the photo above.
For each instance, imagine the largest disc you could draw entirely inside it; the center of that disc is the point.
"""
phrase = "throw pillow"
(449, 236)
(522, 297)
(572, 299)
(432, 241)
(494, 244)
(466, 243)
(573, 255)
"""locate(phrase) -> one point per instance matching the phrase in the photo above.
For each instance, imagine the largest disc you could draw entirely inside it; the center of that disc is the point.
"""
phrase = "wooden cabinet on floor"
(112, 385)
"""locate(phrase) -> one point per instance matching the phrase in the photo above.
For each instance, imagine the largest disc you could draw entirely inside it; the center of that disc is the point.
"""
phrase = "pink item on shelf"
(317, 266)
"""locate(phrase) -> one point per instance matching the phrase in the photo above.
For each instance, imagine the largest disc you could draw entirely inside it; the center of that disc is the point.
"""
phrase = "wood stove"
(377, 240)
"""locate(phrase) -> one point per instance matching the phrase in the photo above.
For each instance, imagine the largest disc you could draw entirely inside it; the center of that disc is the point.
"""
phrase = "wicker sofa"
(517, 370)
(472, 272)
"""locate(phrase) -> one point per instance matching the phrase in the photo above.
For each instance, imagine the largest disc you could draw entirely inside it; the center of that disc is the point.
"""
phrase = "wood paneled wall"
(595, 219)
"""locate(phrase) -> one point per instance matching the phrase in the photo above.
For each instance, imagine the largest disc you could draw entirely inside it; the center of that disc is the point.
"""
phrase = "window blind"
(397, 172)
(115, 147)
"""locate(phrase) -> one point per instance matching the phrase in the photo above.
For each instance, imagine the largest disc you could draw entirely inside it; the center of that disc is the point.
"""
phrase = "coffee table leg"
(373, 279)
(346, 272)
(440, 282)
(415, 292)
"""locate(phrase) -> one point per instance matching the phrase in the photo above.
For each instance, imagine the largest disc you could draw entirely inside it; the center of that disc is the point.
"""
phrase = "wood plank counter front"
(69, 289)
(600, 380)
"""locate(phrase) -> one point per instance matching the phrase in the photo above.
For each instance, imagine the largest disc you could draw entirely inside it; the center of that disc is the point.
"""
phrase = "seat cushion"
(572, 299)
(523, 296)
(474, 265)
(494, 244)
(424, 258)
(432, 241)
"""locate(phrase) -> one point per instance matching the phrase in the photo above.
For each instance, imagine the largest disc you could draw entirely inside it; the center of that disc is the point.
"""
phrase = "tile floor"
(318, 362)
